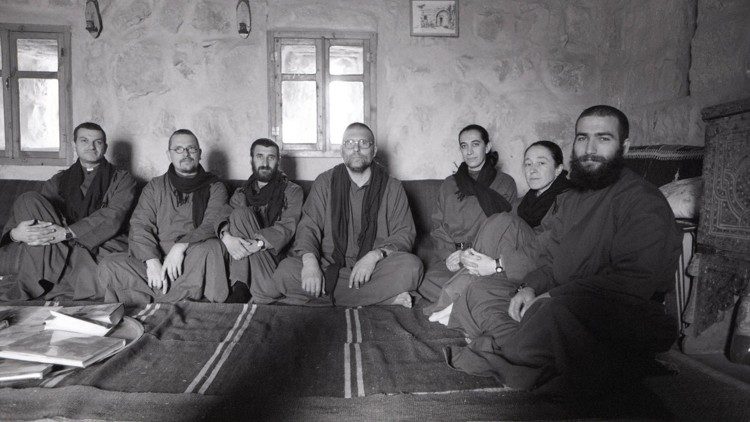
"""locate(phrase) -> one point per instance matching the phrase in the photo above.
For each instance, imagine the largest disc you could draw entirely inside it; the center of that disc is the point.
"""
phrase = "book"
(62, 348)
(62, 322)
(96, 320)
(13, 370)
(108, 313)
(24, 321)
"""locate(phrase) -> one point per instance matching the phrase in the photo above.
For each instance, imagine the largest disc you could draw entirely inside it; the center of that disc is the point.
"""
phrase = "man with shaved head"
(353, 241)
(174, 253)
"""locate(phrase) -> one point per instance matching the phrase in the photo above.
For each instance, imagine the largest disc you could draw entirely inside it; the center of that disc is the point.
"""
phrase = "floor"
(721, 364)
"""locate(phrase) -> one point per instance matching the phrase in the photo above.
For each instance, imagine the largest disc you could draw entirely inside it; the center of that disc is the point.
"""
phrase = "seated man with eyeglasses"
(174, 253)
(53, 239)
(353, 241)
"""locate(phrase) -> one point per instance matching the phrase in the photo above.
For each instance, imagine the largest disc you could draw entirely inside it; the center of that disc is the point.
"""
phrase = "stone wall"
(523, 69)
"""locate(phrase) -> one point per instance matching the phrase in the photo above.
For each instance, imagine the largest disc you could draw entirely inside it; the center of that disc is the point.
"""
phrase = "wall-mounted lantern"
(93, 18)
(243, 18)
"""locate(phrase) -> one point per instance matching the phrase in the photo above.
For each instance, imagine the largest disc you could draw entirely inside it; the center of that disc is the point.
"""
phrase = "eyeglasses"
(181, 150)
(363, 143)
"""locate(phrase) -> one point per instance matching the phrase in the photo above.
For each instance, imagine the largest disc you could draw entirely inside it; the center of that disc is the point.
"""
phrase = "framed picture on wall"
(434, 18)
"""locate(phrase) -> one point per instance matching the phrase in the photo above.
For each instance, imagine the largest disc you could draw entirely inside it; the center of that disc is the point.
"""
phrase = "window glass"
(299, 59)
(346, 60)
(347, 106)
(38, 55)
(299, 115)
(39, 114)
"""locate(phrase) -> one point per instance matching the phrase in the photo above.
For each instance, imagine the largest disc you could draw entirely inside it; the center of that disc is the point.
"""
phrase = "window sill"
(31, 161)
(311, 154)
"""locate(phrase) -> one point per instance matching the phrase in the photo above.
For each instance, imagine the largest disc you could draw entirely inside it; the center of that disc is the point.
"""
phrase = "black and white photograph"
(374, 210)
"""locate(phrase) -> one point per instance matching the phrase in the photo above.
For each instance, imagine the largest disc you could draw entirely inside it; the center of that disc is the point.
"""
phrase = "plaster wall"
(523, 69)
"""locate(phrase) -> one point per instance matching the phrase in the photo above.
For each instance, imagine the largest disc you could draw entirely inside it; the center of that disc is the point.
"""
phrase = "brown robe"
(69, 266)
(158, 223)
(455, 221)
(399, 272)
(243, 223)
(607, 261)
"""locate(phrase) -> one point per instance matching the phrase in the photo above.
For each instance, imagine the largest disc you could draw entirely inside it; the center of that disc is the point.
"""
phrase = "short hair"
(608, 111)
(89, 126)
(553, 148)
(360, 125)
(263, 142)
(181, 132)
(482, 132)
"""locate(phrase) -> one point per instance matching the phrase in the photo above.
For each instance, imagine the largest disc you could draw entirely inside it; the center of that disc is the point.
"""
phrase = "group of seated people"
(568, 282)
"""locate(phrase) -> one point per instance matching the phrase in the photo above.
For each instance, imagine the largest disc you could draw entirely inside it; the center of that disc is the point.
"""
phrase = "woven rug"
(222, 361)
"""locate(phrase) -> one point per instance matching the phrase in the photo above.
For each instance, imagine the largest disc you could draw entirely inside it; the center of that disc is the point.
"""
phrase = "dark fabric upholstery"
(662, 164)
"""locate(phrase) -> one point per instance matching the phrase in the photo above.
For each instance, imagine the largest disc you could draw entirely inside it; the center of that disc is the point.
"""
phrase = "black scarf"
(199, 185)
(78, 205)
(272, 194)
(340, 185)
(490, 201)
(533, 208)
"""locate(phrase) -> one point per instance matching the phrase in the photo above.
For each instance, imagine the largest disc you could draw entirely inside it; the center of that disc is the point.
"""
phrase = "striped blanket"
(257, 350)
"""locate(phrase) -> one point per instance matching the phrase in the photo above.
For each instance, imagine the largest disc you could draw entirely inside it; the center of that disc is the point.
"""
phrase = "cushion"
(684, 196)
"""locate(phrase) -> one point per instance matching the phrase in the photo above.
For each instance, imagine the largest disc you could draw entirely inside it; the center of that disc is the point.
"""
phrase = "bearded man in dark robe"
(263, 216)
(353, 240)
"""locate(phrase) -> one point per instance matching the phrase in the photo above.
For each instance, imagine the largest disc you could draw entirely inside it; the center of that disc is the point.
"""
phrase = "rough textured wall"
(523, 69)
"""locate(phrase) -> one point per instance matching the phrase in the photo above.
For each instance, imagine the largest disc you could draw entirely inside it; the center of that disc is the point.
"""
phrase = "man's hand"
(453, 262)
(34, 233)
(172, 266)
(156, 278)
(363, 269)
(312, 276)
(478, 263)
(238, 247)
(521, 302)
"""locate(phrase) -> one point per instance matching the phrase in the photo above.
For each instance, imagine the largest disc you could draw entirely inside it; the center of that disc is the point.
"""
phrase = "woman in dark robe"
(507, 242)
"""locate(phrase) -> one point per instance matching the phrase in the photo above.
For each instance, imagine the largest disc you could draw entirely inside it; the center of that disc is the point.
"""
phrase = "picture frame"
(434, 18)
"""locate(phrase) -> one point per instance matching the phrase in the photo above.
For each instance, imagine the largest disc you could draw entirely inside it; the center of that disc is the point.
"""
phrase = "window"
(35, 71)
(319, 83)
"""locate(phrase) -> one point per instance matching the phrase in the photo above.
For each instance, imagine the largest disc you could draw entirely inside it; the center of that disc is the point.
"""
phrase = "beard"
(607, 173)
(264, 173)
(358, 163)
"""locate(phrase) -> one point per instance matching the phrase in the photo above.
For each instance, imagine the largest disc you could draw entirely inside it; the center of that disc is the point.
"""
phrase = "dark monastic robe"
(608, 256)
(399, 272)
(159, 221)
(456, 221)
(69, 266)
(244, 222)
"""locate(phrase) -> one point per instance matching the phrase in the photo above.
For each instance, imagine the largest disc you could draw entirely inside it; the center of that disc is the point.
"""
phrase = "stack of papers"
(38, 337)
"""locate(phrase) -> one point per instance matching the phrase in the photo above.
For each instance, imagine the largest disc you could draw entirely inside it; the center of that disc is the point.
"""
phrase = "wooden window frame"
(9, 75)
(322, 40)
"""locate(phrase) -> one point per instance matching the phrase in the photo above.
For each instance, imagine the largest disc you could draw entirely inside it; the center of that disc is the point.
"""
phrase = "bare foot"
(442, 316)
(403, 299)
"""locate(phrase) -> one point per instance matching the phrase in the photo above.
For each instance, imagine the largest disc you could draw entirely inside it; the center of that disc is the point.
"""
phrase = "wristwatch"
(261, 243)
(383, 253)
(498, 266)
(68, 233)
